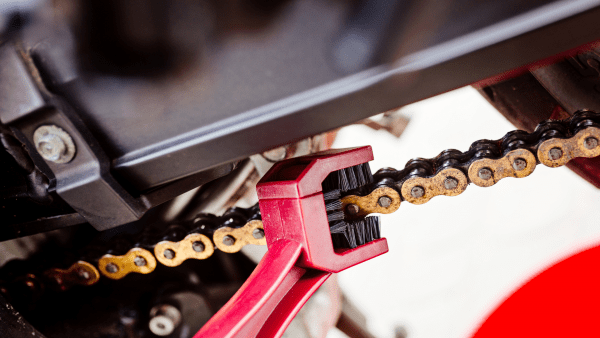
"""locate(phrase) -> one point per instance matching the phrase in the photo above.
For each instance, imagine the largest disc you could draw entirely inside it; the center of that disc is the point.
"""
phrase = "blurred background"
(454, 259)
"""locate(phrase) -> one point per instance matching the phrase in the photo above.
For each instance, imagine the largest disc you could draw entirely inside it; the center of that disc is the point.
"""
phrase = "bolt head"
(139, 261)
(555, 153)
(169, 254)
(417, 192)
(228, 240)
(384, 201)
(352, 209)
(198, 246)
(485, 174)
(590, 143)
(519, 164)
(112, 268)
(258, 233)
(450, 183)
(54, 144)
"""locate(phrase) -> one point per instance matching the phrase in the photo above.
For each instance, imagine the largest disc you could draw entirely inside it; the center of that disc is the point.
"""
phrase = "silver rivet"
(555, 153)
(258, 233)
(112, 268)
(590, 142)
(519, 164)
(198, 246)
(169, 254)
(139, 261)
(384, 201)
(228, 240)
(54, 144)
(485, 173)
(83, 274)
(450, 183)
(417, 192)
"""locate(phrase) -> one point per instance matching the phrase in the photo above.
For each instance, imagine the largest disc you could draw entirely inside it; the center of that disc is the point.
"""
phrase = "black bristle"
(335, 216)
(360, 176)
(352, 182)
(332, 205)
(332, 195)
(342, 180)
(348, 235)
(366, 168)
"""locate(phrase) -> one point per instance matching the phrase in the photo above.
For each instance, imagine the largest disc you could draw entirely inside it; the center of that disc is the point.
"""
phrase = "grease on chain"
(553, 143)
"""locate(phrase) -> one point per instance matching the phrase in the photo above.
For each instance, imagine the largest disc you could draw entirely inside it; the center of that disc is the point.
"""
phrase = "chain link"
(553, 143)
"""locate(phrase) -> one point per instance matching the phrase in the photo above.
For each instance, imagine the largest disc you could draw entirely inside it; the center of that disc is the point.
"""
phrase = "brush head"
(351, 234)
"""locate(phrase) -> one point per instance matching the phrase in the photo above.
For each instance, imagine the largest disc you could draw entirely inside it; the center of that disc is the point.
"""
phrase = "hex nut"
(54, 144)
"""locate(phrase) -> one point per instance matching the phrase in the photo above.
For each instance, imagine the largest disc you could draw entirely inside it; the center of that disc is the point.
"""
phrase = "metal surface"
(371, 203)
(569, 148)
(239, 237)
(54, 144)
(267, 103)
(127, 263)
(434, 186)
(13, 324)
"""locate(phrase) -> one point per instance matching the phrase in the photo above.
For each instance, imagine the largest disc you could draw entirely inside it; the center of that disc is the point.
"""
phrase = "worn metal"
(54, 144)
(434, 186)
(232, 240)
(370, 203)
(502, 167)
(127, 263)
(187, 248)
(79, 273)
(571, 148)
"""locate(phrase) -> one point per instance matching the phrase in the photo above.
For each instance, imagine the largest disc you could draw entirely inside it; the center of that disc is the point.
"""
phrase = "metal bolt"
(83, 274)
(112, 267)
(450, 183)
(352, 209)
(555, 154)
(54, 144)
(139, 261)
(164, 319)
(258, 233)
(228, 240)
(485, 173)
(169, 254)
(198, 246)
(519, 164)
(384, 201)
(417, 192)
(590, 142)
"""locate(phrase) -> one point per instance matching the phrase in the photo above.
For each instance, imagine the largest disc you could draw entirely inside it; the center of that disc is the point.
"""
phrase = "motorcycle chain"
(553, 143)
